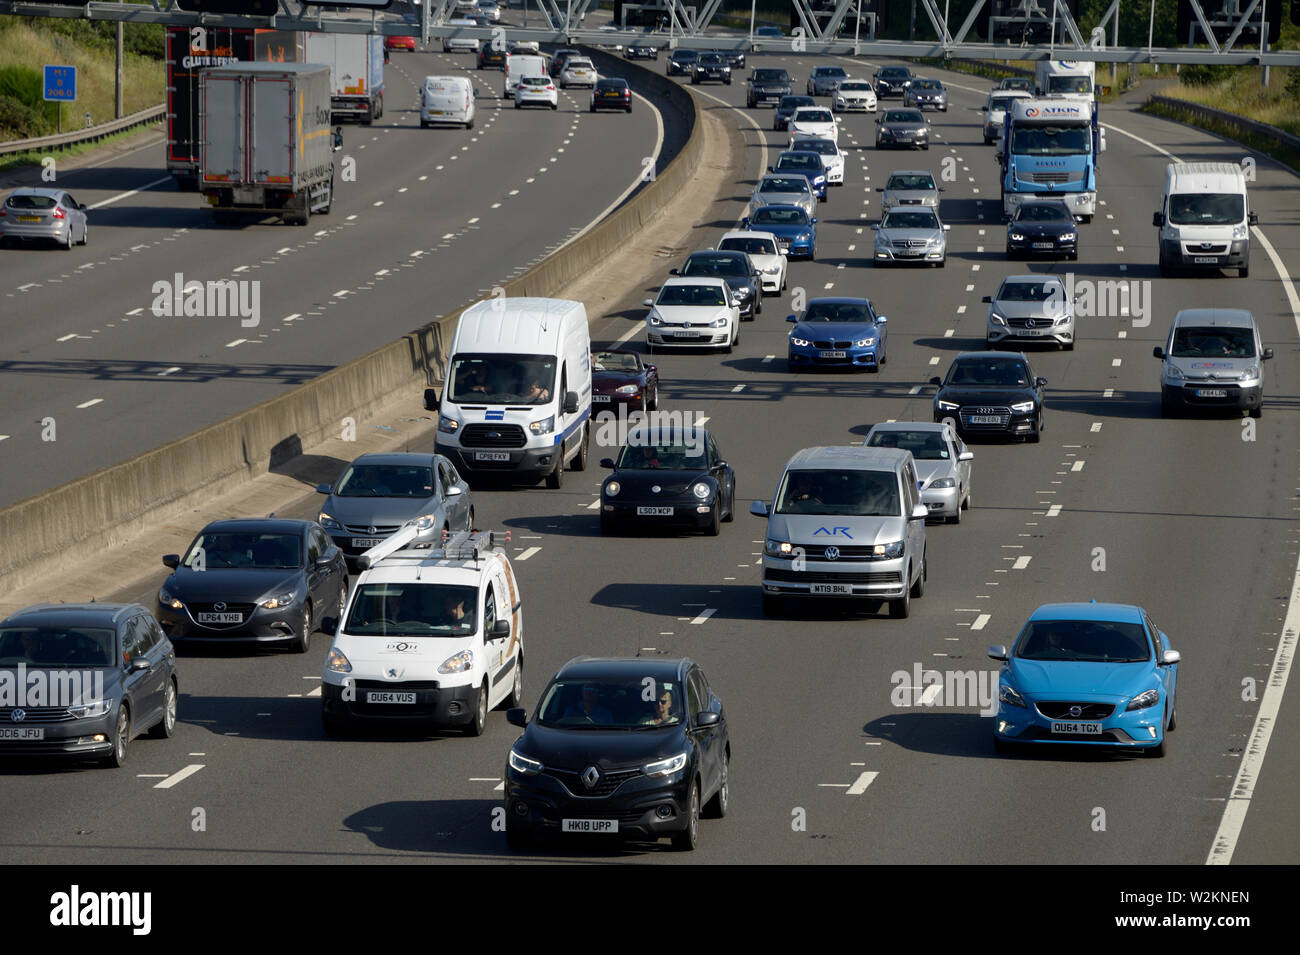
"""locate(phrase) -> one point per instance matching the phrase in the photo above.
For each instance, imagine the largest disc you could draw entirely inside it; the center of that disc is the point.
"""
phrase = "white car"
(454, 44)
(782, 189)
(809, 122)
(578, 71)
(854, 96)
(832, 157)
(536, 91)
(766, 253)
(609, 41)
(693, 313)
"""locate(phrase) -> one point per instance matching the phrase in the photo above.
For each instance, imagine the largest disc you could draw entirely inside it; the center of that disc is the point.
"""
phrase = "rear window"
(31, 202)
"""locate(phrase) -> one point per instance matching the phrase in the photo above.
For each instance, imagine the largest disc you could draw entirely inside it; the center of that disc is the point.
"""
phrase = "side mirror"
(500, 630)
(141, 664)
(1251, 218)
(759, 508)
(430, 399)
(875, 227)
(517, 716)
(83, 207)
(998, 652)
(454, 491)
(814, 220)
(943, 189)
(936, 381)
(1158, 352)
(1170, 657)
(791, 318)
(721, 465)
(946, 227)
(880, 188)
(966, 456)
(987, 300)
(607, 463)
(706, 718)
(744, 223)
(329, 625)
(171, 560)
(571, 402)
(476, 92)
(1158, 219)
(770, 169)
(1266, 354)
(649, 303)
(324, 560)
(919, 513)
(882, 319)
(1040, 382)
(324, 489)
(674, 272)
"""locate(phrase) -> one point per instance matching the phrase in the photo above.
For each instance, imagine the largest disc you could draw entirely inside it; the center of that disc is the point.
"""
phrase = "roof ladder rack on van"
(461, 545)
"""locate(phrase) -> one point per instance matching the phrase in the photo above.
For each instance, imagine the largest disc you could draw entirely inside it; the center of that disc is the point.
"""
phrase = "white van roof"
(1204, 177)
(527, 325)
(452, 80)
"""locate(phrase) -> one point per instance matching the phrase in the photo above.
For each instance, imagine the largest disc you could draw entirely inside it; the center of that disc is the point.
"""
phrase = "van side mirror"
(1158, 219)
(571, 402)
(430, 399)
(500, 630)
(1158, 352)
(171, 560)
(1251, 218)
(1266, 354)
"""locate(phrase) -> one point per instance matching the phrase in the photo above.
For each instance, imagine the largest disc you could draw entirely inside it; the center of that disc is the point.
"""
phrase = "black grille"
(910, 243)
(1046, 177)
(829, 344)
(605, 786)
(1002, 413)
(406, 686)
(35, 714)
(821, 577)
(1047, 736)
(846, 553)
(1206, 248)
(481, 436)
(909, 202)
(1088, 711)
(1024, 322)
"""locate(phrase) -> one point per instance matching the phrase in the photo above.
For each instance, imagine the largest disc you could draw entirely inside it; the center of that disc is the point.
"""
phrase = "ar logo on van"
(831, 532)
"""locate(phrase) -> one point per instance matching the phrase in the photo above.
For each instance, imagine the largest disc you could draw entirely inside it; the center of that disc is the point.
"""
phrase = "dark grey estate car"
(87, 679)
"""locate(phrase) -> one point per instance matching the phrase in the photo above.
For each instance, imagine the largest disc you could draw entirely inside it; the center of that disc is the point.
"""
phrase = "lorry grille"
(1045, 177)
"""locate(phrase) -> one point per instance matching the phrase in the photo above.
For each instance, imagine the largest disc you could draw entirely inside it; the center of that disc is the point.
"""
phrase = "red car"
(399, 43)
(621, 377)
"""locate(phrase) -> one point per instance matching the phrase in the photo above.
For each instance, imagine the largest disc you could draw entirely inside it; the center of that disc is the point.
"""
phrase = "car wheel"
(516, 104)
(758, 305)
(918, 588)
(716, 808)
(67, 242)
(1004, 747)
(731, 510)
(689, 838)
(555, 479)
(628, 110)
(1258, 410)
(1037, 433)
(1159, 750)
(714, 527)
(607, 528)
(555, 106)
(1166, 407)
(85, 235)
(121, 738)
(955, 517)
(302, 642)
(343, 599)
(593, 109)
(580, 459)
(901, 608)
(652, 403)
(773, 606)
(1243, 272)
(479, 723)
(166, 726)
(812, 254)
(784, 284)
(1173, 719)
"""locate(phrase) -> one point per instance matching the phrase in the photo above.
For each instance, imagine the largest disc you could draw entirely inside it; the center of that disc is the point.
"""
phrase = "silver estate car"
(46, 215)
(911, 234)
(1030, 308)
(943, 463)
(784, 190)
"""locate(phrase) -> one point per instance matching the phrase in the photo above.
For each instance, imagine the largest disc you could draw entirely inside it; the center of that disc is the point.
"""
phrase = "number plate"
(22, 732)
(1077, 729)
(599, 398)
(221, 618)
(833, 354)
(1044, 245)
(365, 543)
(29, 218)
(590, 825)
(1206, 260)
(385, 697)
(1032, 331)
(985, 419)
(1211, 393)
(654, 512)
(842, 589)
(683, 334)
(491, 456)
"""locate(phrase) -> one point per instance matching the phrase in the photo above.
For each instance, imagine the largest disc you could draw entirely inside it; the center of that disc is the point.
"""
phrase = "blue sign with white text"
(61, 83)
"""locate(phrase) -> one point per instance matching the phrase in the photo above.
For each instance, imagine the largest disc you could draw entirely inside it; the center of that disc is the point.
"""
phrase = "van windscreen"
(502, 379)
(1211, 208)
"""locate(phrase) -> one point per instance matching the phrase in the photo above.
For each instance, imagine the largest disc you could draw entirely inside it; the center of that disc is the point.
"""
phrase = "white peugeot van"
(447, 99)
(523, 64)
(1204, 218)
(517, 397)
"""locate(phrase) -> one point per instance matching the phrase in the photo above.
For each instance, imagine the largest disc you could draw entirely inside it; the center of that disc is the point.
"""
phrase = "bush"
(18, 120)
(1293, 83)
(1205, 74)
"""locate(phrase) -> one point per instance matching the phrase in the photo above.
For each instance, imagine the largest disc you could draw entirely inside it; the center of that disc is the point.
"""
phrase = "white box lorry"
(356, 62)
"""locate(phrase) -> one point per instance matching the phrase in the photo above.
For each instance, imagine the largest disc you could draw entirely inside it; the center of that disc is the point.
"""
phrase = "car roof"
(393, 457)
(1114, 613)
(37, 191)
(262, 525)
(696, 280)
(1220, 317)
(596, 667)
(748, 234)
(936, 426)
(851, 457)
(912, 172)
(991, 354)
(1039, 279)
(70, 615)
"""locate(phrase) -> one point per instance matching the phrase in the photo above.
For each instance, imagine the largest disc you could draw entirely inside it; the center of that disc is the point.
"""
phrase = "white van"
(447, 99)
(517, 397)
(523, 64)
(431, 636)
(1204, 218)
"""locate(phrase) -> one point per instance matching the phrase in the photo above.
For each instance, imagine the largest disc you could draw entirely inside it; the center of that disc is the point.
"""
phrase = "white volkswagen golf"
(693, 313)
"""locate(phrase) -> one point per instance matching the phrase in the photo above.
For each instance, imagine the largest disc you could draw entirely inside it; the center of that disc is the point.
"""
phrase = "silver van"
(845, 522)
(1213, 358)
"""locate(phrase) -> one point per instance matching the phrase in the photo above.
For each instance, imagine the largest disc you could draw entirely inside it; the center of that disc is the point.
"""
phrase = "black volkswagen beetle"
(668, 474)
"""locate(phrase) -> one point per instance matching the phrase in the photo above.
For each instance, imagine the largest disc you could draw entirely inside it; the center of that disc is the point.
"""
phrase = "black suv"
(786, 108)
(106, 673)
(767, 86)
(991, 393)
(681, 62)
(619, 747)
(711, 66)
(892, 81)
(743, 278)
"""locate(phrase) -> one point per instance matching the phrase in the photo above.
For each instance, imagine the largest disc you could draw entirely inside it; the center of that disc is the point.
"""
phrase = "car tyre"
(166, 726)
(1258, 410)
(121, 738)
(332, 726)
(901, 608)
(1037, 433)
(85, 235)
(689, 838)
(478, 724)
(516, 696)
(302, 642)
(580, 459)
(68, 242)
(652, 402)
(716, 808)
(555, 479)
(918, 588)
(714, 527)
(1244, 272)
(955, 517)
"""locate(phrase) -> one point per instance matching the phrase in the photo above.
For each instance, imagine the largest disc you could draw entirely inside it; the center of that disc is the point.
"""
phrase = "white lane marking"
(1054, 510)
(341, 292)
(1077, 466)
(829, 285)
(240, 268)
(351, 217)
(934, 360)
(66, 337)
(961, 309)
(1108, 393)
(528, 553)
(767, 359)
(24, 288)
(1291, 296)
(914, 390)
(177, 777)
(737, 389)
(237, 341)
(1096, 426)
(170, 371)
(473, 220)
(949, 332)
(4, 437)
(403, 189)
(125, 195)
(1243, 786)
(1116, 362)
(833, 785)
(705, 614)
(860, 784)
(1021, 563)
(150, 775)
(90, 403)
(135, 311)
(1123, 334)
(980, 622)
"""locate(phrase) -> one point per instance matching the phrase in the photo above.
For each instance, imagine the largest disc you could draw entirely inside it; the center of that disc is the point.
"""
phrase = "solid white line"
(1252, 760)
(90, 403)
(124, 195)
(980, 622)
(860, 786)
(1021, 563)
(1291, 296)
(528, 553)
(705, 614)
(175, 778)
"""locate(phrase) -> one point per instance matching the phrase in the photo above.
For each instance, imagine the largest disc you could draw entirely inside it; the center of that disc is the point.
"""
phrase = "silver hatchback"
(47, 215)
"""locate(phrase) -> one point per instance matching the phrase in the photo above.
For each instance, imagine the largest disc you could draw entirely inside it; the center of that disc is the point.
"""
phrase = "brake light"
(59, 213)
(551, 88)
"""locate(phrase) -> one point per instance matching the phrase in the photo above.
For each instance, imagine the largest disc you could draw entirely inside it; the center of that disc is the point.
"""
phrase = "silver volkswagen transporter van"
(1213, 358)
(845, 522)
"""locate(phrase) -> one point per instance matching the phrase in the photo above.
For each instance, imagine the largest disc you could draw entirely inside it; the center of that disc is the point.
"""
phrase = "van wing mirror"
(571, 402)
(500, 630)
(430, 399)
(1251, 218)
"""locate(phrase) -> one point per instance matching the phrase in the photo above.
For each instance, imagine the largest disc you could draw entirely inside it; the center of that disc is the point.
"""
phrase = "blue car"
(837, 333)
(807, 164)
(795, 230)
(1088, 674)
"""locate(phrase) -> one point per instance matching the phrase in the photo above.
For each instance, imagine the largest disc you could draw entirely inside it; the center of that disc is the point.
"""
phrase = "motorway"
(1187, 517)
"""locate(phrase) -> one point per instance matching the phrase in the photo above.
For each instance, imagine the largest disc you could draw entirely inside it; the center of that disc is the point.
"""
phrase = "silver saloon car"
(902, 129)
(911, 234)
(43, 215)
(909, 188)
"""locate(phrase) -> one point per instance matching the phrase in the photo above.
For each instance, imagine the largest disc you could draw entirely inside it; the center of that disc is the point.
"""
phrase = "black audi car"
(767, 85)
(668, 476)
(681, 62)
(993, 393)
(619, 749)
(712, 67)
(260, 580)
(785, 109)
(1043, 227)
(743, 277)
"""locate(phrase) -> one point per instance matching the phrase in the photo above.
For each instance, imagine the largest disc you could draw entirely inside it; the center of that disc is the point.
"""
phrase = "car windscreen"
(993, 372)
(1030, 292)
(710, 59)
(574, 63)
(618, 85)
(1084, 641)
(223, 549)
(540, 81)
(836, 312)
(1207, 208)
(1069, 84)
(692, 295)
(1051, 140)
(903, 116)
(910, 220)
(926, 85)
(665, 452)
(845, 493)
(386, 480)
(811, 163)
(611, 704)
(924, 445)
(409, 609)
(1043, 212)
(855, 86)
(771, 76)
(1210, 342)
(683, 55)
(895, 73)
(53, 646)
(752, 246)
(716, 266)
(906, 181)
(830, 71)
(503, 379)
(613, 361)
(786, 184)
(814, 116)
(770, 216)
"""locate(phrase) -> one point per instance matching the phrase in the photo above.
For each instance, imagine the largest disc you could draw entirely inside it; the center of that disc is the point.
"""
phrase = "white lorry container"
(266, 144)
(356, 62)
(1204, 218)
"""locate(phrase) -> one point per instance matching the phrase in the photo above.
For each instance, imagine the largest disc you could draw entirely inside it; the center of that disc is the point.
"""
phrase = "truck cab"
(1049, 150)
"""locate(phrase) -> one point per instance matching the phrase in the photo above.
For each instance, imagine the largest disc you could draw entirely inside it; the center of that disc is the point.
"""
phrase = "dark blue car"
(837, 333)
(795, 230)
(805, 163)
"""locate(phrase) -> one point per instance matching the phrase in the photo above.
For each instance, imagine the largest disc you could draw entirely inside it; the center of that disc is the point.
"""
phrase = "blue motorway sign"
(61, 83)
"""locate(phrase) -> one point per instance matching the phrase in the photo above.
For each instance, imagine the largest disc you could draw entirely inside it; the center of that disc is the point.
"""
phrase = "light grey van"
(1213, 358)
(845, 522)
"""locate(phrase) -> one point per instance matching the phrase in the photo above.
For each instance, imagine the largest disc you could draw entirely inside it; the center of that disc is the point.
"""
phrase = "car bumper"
(535, 100)
(460, 46)
(1136, 729)
(797, 247)
(876, 579)
(942, 502)
(930, 104)
(262, 626)
(1079, 203)
(1029, 246)
(533, 462)
(909, 142)
(1233, 254)
(619, 103)
(35, 231)
(810, 357)
(445, 116)
(856, 106)
(712, 338)
(68, 738)
(765, 99)
(436, 705)
(697, 514)
(599, 402)
(1059, 335)
(1016, 425)
(772, 283)
(649, 811)
(1235, 396)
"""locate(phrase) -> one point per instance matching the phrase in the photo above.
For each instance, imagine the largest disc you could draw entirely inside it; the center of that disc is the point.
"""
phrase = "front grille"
(831, 344)
(1003, 415)
(1045, 177)
(372, 530)
(909, 243)
(846, 553)
(480, 436)
(909, 202)
(1206, 248)
(1088, 711)
(1045, 735)
(605, 786)
(1024, 322)
(35, 714)
(407, 686)
(822, 577)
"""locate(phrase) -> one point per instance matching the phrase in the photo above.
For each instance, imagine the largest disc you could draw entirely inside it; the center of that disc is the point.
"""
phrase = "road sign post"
(60, 87)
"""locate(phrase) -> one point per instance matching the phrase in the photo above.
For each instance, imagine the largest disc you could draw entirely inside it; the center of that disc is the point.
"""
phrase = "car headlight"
(1144, 700)
(87, 711)
(1023, 407)
(701, 490)
(805, 236)
(947, 405)
(743, 292)
(1017, 237)
(457, 662)
(627, 389)
(997, 319)
(888, 551)
(336, 662)
(167, 600)
(612, 488)
(654, 320)
(1070, 237)
(943, 483)
(1240, 231)
(819, 181)
(722, 321)
(1251, 372)
(864, 343)
(666, 767)
(522, 764)
(772, 270)
(423, 522)
(799, 342)
(935, 243)
(328, 522)
(280, 600)
(1009, 696)
(1173, 371)
(448, 425)
(776, 548)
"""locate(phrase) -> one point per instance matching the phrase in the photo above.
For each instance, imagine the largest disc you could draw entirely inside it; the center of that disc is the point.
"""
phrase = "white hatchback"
(578, 71)
(693, 313)
(453, 44)
(814, 121)
(536, 91)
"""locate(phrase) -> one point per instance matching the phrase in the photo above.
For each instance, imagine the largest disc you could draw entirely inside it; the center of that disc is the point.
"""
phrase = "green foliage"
(1293, 83)
(1205, 74)
(23, 110)
(143, 39)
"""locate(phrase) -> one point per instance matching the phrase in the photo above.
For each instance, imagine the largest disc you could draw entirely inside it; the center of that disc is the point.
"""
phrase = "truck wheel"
(325, 209)
(369, 117)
